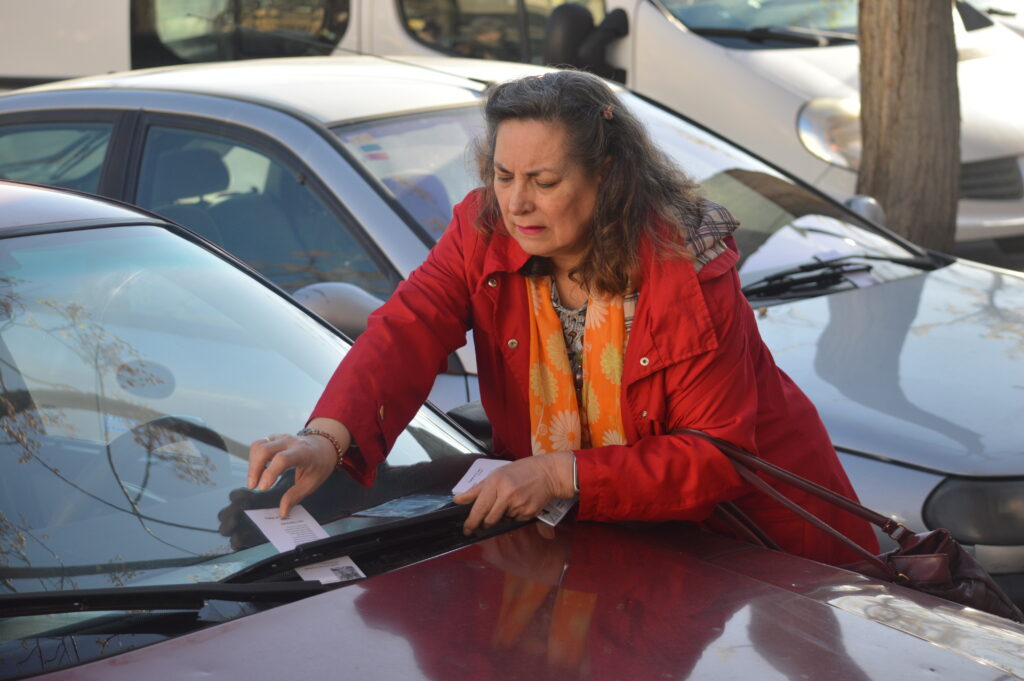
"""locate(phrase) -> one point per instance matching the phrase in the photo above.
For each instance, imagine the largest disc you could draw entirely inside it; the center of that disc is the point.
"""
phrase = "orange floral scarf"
(556, 419)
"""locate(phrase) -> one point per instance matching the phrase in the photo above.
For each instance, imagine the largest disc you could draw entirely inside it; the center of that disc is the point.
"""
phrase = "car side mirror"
(473, 419)
(344, 306)
(867, 207)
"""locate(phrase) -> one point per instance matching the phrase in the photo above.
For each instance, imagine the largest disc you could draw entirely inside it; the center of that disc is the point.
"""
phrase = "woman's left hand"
(519, 490)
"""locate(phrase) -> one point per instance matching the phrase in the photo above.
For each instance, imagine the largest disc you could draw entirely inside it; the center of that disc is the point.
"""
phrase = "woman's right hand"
(312, 456)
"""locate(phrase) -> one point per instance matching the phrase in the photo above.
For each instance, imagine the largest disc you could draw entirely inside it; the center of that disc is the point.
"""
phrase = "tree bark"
(910, 116)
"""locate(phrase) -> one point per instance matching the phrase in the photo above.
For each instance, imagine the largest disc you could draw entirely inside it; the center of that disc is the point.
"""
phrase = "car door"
(260, 202)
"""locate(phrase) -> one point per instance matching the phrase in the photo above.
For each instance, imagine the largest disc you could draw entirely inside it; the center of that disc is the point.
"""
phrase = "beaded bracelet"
(327, 436)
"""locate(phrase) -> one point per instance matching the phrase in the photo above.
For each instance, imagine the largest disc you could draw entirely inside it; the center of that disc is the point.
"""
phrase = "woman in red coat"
(606, 313)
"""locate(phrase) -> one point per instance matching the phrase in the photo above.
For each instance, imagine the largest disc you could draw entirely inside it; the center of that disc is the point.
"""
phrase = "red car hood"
(595, 602)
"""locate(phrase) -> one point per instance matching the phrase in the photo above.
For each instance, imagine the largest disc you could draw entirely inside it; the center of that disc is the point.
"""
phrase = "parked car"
(137, 362)
(1010, 13)
(333, 176)
(778, 77)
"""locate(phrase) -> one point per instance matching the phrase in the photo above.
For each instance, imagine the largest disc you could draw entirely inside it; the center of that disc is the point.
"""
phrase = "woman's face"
(546, 200)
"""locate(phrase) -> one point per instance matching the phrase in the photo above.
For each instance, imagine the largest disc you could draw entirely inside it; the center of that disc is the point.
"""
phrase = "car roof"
(28, 205)
(321, 87)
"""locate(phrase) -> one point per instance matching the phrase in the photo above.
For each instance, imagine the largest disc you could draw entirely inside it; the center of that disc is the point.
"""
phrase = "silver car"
(334, 176)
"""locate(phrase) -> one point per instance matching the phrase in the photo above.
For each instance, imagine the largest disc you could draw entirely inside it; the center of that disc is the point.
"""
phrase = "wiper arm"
(163, 597)
(821, 274)
(793, 34)
(793, 283)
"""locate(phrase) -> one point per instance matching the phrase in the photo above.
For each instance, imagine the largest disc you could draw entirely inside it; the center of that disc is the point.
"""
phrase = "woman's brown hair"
(643, 194)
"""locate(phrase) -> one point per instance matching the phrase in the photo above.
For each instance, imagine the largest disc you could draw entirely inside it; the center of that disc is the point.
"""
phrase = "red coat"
(694, 359)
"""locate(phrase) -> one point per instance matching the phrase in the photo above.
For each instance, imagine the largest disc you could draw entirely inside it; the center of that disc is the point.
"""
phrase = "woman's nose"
(519, 202)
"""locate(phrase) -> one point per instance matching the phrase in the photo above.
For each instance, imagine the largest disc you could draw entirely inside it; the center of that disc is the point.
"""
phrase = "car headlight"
(830, 129)
(978, 511)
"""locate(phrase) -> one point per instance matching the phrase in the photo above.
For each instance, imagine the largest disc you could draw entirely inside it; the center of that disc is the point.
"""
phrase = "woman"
(607, 314)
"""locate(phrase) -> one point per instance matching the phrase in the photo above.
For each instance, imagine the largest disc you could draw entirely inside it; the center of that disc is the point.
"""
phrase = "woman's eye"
(546, 185)
(503, 178)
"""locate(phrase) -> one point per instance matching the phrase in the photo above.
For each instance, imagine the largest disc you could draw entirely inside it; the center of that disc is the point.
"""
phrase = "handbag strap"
(747, 464)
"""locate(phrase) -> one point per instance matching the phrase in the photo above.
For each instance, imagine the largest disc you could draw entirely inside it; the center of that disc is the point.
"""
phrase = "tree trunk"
(910, 116)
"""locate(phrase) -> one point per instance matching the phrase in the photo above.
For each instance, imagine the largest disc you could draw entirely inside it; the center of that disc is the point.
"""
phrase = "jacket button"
(492, 282)
(643, 414)
(513, 343)
(644, 361)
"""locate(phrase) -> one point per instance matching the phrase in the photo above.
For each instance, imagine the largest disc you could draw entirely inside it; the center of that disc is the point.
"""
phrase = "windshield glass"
(135, 368)
(830, 16)
(424, 160)
(833, 15)
(425, 163)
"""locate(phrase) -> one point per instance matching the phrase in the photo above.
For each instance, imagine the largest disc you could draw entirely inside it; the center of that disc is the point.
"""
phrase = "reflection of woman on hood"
(522, 605)
(607, 315)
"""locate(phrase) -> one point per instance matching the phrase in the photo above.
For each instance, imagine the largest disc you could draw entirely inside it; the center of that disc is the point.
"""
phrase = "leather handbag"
(932, 562)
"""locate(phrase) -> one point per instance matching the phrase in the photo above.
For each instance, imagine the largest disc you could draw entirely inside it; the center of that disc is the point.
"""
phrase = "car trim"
(79, 225)
(345, 122)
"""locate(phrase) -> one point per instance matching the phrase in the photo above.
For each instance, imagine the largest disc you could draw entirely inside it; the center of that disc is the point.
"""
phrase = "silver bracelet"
(575, 476)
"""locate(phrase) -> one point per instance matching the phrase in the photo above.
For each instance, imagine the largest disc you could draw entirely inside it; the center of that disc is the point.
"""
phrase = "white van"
(46, 40)
(780, 77)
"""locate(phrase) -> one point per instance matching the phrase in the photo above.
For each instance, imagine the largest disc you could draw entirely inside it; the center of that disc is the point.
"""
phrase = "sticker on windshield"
(298, 528)
(330, 571)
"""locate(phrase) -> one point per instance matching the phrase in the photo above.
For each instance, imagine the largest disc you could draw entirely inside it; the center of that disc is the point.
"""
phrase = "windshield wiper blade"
(368, 541)
(365, 541)
(793, 34)
(161, 597)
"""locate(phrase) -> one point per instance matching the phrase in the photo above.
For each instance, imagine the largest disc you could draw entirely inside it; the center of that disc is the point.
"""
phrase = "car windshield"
(135, 368)
(425, 162)
(823, 18)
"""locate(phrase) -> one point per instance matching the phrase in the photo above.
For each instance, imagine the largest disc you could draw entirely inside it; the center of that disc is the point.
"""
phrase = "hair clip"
(608, 112)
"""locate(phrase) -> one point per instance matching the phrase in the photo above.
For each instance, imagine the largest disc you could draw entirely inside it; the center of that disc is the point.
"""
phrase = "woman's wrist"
(338, 452)
(331, 436)
(562, 473)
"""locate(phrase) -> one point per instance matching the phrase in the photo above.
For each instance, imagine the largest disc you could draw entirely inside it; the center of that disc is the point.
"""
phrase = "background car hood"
(596, 602)
(925, 370)
(991, 108)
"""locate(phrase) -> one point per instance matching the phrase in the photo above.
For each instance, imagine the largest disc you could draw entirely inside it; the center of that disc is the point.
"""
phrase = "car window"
(485, 29)
(59, 154)
(215, 30)
(255, 206)
(424, 163)
(422, 160)
(135, 369)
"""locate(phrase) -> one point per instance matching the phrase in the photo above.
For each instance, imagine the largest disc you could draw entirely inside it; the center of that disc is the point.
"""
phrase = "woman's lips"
(530, 230)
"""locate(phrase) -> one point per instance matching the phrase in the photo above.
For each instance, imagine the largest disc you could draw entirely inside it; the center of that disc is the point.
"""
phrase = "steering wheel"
(134, 474)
